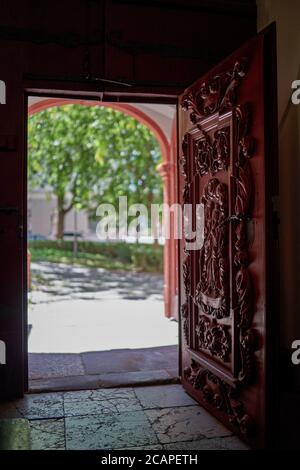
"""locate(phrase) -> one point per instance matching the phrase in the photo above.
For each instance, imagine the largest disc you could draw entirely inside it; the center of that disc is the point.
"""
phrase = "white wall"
(42, 216)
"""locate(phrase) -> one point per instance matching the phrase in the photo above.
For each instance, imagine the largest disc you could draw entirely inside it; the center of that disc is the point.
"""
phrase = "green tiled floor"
(157, 417)
(14, 434)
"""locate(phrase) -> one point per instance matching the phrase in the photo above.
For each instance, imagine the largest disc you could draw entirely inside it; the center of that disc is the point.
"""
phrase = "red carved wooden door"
(227, 145)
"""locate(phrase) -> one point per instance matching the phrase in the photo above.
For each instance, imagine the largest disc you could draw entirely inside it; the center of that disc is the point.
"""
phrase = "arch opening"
(165, 170)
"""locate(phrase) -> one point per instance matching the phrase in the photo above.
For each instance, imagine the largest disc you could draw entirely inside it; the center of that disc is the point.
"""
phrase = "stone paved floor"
(91, 328)
(158, 417)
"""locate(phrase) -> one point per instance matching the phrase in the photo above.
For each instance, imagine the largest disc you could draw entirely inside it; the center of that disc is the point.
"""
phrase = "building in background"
(42, 217)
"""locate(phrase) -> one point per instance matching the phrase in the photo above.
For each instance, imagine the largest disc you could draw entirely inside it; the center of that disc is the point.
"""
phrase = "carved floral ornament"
(218, 93)
(244, 307)
(187, 287)
(184, 169)
(213, 337)
(212, 154)
(219, 394)
(185, 321)
(212, 289)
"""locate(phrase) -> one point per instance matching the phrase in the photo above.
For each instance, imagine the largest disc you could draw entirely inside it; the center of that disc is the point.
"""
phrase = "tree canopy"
(90, 155)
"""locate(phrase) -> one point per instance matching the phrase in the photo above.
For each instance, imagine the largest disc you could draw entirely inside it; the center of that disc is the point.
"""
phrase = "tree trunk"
(60, 224)
(60, 217)
(61, 212)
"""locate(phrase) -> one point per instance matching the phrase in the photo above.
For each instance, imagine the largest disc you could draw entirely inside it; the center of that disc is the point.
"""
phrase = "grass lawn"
(147, 258)
(91, 260)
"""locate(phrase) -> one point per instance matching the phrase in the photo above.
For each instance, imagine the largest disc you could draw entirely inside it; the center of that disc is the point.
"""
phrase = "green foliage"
(93, 155)
(119, 256)
(146, 258)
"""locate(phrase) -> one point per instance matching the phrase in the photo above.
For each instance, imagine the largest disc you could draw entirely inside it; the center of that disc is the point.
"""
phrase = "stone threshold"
(92, 382)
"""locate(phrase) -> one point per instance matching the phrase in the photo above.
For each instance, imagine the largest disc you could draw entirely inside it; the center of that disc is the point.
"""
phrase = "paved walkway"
(160, 417)
(92, 327)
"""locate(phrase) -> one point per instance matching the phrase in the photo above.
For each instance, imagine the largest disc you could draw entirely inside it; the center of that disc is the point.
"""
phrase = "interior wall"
(287, 14)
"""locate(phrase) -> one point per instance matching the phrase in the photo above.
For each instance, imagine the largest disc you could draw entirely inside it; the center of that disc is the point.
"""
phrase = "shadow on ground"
(63, 281)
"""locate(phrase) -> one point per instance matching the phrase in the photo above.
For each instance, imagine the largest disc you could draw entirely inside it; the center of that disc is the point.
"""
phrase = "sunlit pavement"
(91, 328)
(77, 309)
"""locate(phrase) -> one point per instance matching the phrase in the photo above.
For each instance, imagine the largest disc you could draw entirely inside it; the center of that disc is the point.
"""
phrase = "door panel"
(224, 304)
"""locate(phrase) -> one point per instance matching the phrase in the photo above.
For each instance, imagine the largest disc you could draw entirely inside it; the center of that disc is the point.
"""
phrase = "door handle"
(236, 218)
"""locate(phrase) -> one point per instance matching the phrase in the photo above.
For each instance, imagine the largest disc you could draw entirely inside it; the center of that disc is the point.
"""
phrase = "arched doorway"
(167, 170)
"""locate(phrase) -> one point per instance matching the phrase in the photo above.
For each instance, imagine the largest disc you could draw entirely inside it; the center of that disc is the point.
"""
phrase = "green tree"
(88, 155)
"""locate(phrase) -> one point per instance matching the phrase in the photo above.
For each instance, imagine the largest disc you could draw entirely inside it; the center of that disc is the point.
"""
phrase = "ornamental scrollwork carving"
(217, 93)
(243, 283)
(184, 310)
(183, 159)
(186, 271)
(219, 394)
(245, 146)
(186, 268)
(213, 337)
(185, 321)
(222, 325)
(212, 289)
(213, 154)
(203, 154)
